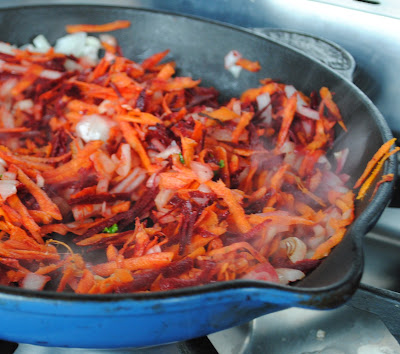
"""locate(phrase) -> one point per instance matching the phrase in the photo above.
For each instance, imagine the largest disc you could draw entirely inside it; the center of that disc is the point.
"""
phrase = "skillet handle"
(381, 302)
(395, 202)
(321, 49)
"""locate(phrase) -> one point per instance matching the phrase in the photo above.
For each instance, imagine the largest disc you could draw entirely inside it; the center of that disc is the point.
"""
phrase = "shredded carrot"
(287, 118)
(324, 248)
(70, 170)
(244, 121)
(132, 139)
(375, 159)
(385, 178)
(154, 260)
(45, 203)
(223, 114)
(249, 65)
(368, 182)
(234, 207)
(14, 130)
(106, 27)
(167, 185)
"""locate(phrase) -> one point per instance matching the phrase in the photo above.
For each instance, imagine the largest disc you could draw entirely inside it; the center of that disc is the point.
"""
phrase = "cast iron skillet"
(199, 47)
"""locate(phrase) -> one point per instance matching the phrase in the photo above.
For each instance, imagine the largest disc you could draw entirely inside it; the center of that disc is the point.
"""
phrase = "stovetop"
(370, 31)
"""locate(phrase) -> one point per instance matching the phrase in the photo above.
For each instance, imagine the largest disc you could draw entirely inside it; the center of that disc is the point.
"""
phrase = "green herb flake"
(181, 159)
(221, 163)
(112, 229)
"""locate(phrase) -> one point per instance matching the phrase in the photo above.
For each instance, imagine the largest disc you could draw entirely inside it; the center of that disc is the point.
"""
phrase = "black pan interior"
(199, 48)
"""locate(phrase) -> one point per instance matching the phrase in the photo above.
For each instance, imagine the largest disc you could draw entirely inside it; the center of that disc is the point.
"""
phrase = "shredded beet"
(177, 268)
(120, 176)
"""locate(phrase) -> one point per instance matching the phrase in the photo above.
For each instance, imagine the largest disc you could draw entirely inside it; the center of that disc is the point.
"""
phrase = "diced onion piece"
(136, 183)
(172, 149)
(83, 211)
(41, 43)
(106, 107)
(201, 200)
(287, 147)
(323, 160)
(131, 182)
(158, 144)
(263, 100)
(224, 134)
(332, 180)
(109, 39)
(264, 105)
(296, 249)
(341, 157)
(125, 161)
(230, 63)
(319, 231)
(153, 181)
(154, 249)
(50, 74)
(9, 176)
(72, 65)
(8, 188)
(91, 48)
(24, 105)
(163, 198)
(7, 119)
(307, 126)
(12, 68)
(231, 58)
(30, 47)
(308, 112)
(237, 108)
(290, 90)
(288, 275)
(204, 188)
(33, 281)
(40, 180)
(164, 217)
(202, 171)
(79, 45)
(71, 44)
(7, 86)
(93, 127)
(102, 185)
(6, 48)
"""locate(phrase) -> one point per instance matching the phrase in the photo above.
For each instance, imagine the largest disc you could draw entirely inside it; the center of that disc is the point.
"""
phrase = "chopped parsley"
(221, 163)
(112, 229)
(181, 159)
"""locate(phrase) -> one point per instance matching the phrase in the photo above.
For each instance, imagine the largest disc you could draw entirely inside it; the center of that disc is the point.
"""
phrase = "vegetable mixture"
(118, 176)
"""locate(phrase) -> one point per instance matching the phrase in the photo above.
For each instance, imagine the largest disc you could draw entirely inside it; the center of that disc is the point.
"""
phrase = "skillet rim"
(337, 292)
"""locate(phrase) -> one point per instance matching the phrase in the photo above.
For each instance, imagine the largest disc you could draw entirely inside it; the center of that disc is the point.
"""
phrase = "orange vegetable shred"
(119, 176)
(106, 27)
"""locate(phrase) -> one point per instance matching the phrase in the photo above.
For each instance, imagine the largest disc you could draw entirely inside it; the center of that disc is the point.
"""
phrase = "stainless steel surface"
(382, 252)
(297, 331)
